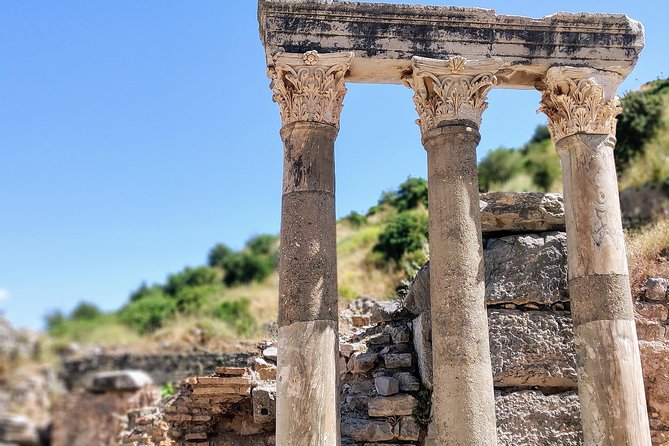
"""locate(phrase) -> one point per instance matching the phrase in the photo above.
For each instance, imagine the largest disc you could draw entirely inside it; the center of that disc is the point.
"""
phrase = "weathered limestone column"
(582, 107)
(450, 99)
(309, 89)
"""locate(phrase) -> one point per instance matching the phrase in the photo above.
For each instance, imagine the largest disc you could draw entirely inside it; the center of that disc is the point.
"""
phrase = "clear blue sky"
(136, 135)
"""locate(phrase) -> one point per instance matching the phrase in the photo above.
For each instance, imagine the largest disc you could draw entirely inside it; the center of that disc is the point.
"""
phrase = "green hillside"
(232, 295)
(642, 150)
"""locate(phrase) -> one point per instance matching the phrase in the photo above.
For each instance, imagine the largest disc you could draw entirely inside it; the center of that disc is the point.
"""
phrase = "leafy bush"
(639, 123)
(263, 244)
(190, 299)
(245, 267)
(218, 254)
(499, 166)
(148, 313)
(190, 277)
(406, 232)
(85, 311)
(54, 321)
(237, 314)
(355, 219)
(409, 195)
(541, 133)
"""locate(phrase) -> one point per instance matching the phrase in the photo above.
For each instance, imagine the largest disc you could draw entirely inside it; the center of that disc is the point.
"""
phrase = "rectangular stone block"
(530, 418)
(384, 37)
(532, 348)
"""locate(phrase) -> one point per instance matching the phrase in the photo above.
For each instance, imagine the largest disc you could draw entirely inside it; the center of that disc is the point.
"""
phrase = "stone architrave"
(450, 99)
(309, 89)
(581, 106)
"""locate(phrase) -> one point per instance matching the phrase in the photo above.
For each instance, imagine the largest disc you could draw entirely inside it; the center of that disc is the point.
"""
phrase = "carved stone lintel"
(309, 86)
(452, 89)
(580, 100)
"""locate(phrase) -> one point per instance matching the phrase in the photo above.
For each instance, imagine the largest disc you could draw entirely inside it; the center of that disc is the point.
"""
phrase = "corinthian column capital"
(451, 89)
(580, 100)
(309, 87)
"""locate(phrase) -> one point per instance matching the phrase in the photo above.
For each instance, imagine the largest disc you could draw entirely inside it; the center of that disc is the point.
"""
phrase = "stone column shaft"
(450, 99)
(309, 89)
(581, 106)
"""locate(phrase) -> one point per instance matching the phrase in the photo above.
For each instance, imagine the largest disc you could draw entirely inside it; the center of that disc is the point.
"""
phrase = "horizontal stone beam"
(385, 37)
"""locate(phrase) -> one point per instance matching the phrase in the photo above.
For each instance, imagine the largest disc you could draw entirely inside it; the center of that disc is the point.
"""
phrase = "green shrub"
(405, 232)
(639, 123)
(408, 195)
(218, 254)
(189, 300)
(148, 313)
(166, 390)
(355, 219)
(498, 167)
(85, 311)
(541, 133)
(55, 321)
(237, 314)
(190, 277)
(245, 267)
(263, 244)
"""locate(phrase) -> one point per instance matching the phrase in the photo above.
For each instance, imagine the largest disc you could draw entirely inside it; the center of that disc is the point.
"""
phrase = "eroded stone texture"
(382, 37)
(521, 212)
(530, 418)
(532, 348)
(526, 268)
(519, 269)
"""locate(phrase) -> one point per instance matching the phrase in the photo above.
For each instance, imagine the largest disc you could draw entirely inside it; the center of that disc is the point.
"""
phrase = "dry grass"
(648, 254)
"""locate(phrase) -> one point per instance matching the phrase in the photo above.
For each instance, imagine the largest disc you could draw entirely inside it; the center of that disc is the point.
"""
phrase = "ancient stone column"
(309, 89)
(581, 106)
(450, 99)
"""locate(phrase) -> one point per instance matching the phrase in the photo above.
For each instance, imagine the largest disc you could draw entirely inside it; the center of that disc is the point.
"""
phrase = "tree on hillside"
(639, 123)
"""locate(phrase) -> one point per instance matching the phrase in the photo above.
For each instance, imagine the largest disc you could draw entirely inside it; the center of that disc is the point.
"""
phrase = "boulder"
(521, 212)
(18, 430)
(120, 380)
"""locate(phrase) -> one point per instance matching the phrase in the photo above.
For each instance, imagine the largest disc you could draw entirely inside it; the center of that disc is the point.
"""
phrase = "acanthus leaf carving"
(310, 87)
(577, 100)
(452, 89)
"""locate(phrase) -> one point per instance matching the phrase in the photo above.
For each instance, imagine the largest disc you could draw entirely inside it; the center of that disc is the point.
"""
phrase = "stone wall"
(385, 355)
(77, 373)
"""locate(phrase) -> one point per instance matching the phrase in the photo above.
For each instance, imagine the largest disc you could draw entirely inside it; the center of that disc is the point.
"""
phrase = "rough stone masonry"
(451, 58)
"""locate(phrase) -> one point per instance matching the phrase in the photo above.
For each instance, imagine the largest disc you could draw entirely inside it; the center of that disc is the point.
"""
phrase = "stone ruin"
(513, 338)
(385, 363)
(451, 58)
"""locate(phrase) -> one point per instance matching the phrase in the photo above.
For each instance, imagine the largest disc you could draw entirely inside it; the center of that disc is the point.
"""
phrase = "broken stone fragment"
(386, 385)
(120, 380)
(361, 430)
(409, 430)
(264, 403)
(407, 382)
(362, 362)
(390, 406)
(398, 333)
(656, 288)
(264, 369)
(386, 311)
(270, 353)
(521, 212)
(397, 360)
(18, 430)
